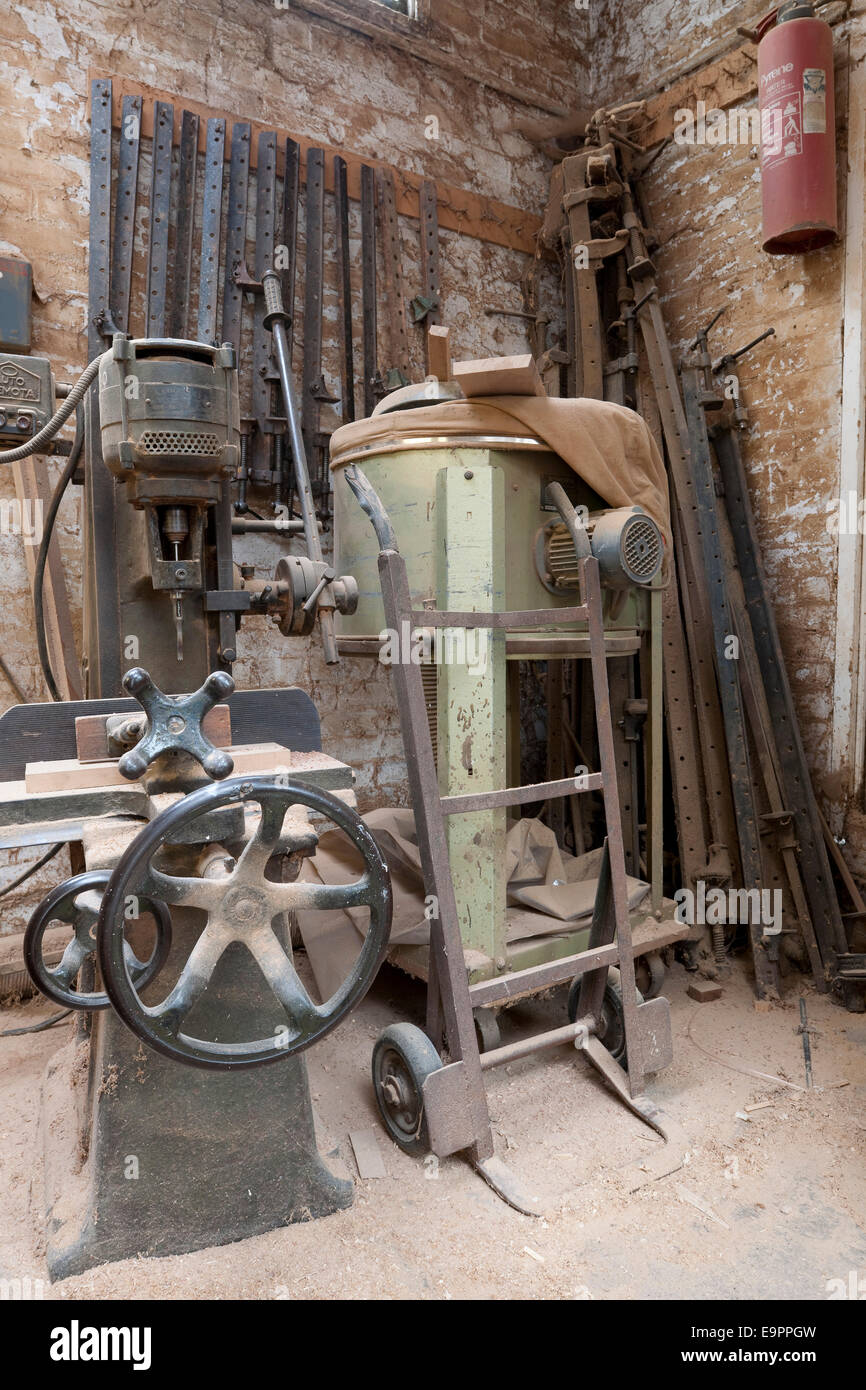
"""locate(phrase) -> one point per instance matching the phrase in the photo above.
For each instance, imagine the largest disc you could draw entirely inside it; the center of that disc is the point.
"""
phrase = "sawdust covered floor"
(781, 1195)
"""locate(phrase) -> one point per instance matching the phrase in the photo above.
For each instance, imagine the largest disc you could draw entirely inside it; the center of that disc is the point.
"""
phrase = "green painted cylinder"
(405, 479)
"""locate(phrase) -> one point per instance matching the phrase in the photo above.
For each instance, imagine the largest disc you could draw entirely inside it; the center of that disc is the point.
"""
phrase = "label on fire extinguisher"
(782, 129)
(814, 101)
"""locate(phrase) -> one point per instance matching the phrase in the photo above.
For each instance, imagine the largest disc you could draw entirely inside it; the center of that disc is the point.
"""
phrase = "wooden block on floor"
(91, 733)
(499, 376)
(68, 774)
(704, 991)
(365, 1146)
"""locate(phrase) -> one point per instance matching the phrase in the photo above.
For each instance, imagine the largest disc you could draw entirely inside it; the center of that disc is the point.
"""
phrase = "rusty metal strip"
(100, 214)
(211, 223)
(236, 233)
(794, 770)
(688, 551)
(291, 197)
(186, 186)
(727, 675)
(446, 947)
(160, 220)
(428, 211)
(588, 345)
(99, 491)
(519, 796)
(128, 150)
(368, 286)
(392, 260)
(313, 292)
(686, 769)
(780, 840)
(344, 277)
(261, 469)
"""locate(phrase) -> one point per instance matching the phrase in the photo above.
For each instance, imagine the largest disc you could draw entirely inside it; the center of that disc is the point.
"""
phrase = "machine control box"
(26, 397)
(16, 292)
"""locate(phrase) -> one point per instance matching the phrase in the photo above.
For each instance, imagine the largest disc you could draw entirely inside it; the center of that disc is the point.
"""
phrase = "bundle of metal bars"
(212, 192)
(745, 809)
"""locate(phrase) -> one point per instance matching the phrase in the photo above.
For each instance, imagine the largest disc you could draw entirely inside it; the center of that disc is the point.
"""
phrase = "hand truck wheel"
(487, 1030)
(611, 1028)
(403, 1058)
(76, 902)
(650, 974)
(241, 905)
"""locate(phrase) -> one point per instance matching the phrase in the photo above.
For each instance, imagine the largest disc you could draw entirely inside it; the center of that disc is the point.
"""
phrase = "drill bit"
(178, 621)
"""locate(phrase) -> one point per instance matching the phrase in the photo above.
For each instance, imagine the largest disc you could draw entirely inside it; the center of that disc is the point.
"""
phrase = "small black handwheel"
(611, 1028)
(76, 902)
(241, 906)
(403, 1058)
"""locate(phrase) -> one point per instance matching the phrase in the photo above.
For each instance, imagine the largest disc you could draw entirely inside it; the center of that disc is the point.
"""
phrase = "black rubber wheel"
(487, 1030)
(611, 1030)
(403, 1058)
(650, 974)
(63, 905)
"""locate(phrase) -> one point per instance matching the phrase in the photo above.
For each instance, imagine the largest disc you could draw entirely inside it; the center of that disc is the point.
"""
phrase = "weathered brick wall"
(295, 70)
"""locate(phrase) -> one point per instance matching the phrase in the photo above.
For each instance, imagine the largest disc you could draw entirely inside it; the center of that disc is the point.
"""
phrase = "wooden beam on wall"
(469, 214)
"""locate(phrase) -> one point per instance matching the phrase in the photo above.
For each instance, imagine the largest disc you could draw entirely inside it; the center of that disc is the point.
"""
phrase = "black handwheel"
(241, 905)
(403, 1058)
(611, 1028)
(76, 902)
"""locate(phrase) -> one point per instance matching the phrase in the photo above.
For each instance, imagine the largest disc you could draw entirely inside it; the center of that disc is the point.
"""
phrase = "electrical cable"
(48, 431)
(36, 1027)
(42, 557)
(33, 868)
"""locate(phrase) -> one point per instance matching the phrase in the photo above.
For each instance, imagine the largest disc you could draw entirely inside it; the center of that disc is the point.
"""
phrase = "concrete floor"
(785, 1187)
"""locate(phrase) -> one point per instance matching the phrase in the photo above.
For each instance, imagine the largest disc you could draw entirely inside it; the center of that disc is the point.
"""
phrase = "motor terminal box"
(26, 397)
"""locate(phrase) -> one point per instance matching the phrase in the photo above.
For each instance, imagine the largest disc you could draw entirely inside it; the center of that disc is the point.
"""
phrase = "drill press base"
(147, 1157)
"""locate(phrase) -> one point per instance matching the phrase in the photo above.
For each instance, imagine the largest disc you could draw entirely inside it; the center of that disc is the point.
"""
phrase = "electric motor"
(625, 541)
(169, 409)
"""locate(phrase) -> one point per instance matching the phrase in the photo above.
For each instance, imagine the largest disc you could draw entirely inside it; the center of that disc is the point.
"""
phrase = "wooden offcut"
(499, 376)
(69, 774)
(92, 742)
(439, 352)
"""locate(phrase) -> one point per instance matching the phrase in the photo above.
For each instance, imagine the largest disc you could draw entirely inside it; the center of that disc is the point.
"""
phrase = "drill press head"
(170, 425)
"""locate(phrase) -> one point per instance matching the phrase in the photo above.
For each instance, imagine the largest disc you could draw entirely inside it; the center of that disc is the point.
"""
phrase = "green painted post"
(470, 528)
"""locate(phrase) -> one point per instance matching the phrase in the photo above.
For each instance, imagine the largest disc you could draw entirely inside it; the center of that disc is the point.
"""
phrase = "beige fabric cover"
(607, 445)
(552, 893)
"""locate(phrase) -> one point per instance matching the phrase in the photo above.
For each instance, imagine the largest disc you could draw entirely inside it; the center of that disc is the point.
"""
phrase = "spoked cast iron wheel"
(241, 905)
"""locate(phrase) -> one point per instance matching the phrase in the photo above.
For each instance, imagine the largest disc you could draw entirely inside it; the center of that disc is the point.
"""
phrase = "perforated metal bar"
(211, 219)
(160, 220)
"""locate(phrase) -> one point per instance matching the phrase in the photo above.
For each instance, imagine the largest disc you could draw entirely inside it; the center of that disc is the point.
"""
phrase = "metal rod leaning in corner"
(275, 319)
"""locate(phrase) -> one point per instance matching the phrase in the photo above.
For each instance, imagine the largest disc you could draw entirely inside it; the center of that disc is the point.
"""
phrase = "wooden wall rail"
(460, 210)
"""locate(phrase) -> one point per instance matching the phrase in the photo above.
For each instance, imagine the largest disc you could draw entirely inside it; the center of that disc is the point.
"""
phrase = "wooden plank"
(500, 376)
(33, 490)
(460, 210)
(71, 775)
(91, 733)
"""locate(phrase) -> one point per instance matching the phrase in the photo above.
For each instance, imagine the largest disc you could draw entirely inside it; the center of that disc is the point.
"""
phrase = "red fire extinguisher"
(798, 130)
